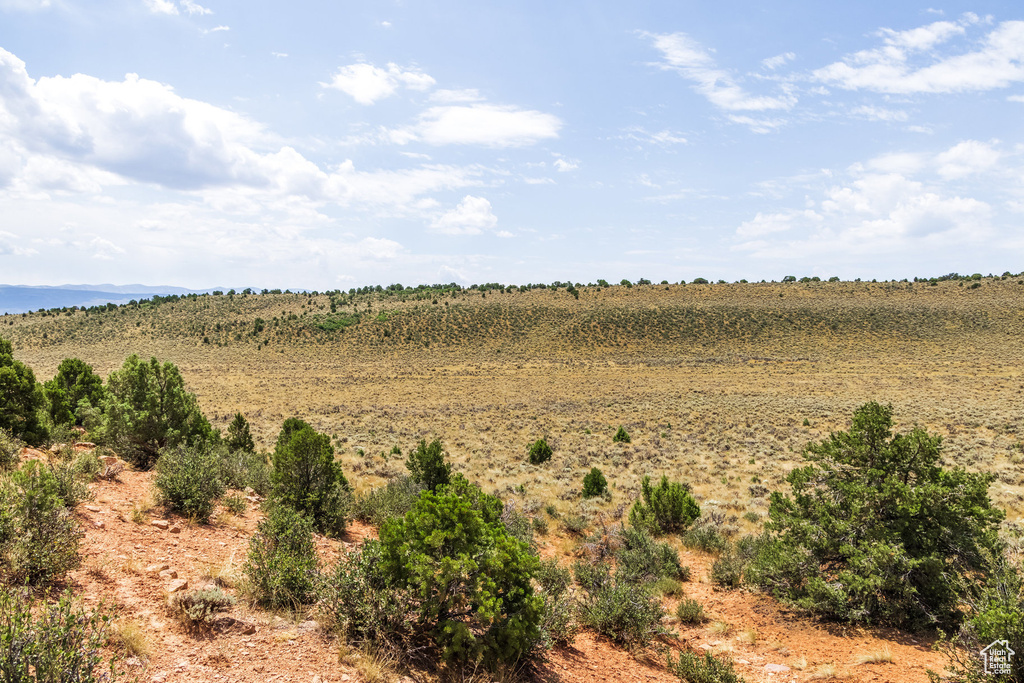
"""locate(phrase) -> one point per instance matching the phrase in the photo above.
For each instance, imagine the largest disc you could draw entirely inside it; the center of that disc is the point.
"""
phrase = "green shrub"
(641, 559)
(518, 525)
(727, 571)
(705, 536)
(149, 410)
(39, 537)
(540, 525)
(241, 469)
(621, 436)
(690, 612)
(876, 530)
(21, 398)
(239, 436)
(394, 499)
(428, 466)
(197, 608)
(995, 612)
(74, 383)
(559, 624)
(307, 479)
(471, 580)
(666, 586)
(358, 600)
(628, 613)
(666, 508)
(236, 504)
(575, 525)
(9, 449)
(53, 642)
(188, 480)
(594, 483)
(282, 564)
(70, 483)
(706, 668)
(539, 452)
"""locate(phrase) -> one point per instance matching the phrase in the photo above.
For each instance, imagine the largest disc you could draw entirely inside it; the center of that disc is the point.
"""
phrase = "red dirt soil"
(117, 552)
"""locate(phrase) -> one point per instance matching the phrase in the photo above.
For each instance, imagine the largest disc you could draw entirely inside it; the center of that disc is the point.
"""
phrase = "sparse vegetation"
(281, 569)
(665, 508)
(188, 480)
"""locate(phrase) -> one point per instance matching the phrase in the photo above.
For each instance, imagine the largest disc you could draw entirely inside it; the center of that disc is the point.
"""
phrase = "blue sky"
(335, 144)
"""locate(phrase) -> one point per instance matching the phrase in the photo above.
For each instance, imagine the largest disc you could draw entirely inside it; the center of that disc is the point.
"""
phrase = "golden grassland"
(718, 385)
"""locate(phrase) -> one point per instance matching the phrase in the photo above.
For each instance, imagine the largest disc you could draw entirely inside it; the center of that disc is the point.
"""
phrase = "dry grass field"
(720, 385)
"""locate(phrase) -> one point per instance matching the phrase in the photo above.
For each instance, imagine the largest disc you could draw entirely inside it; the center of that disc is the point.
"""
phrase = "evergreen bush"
(281, 567)
(188, 480)
(539, 452)
(876, 531)
(594, 483)
(665, 508)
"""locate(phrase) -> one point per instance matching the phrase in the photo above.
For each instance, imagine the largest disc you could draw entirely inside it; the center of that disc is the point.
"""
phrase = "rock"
(99, 525)
(91, 508)
(705, 646)
(168, 574)
(32, 453)
(742, 661)
(161, 524)
(85, 444)
(776, 668)
(307, 626)
(156, 568)
(177, 585)
(175, 529)
(159, 677)
(55, 448)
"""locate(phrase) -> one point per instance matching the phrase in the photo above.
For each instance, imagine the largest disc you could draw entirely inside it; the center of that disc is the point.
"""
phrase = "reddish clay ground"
(269, 648)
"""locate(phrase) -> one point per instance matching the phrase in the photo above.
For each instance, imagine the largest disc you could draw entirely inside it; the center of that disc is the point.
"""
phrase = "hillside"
(719, 385)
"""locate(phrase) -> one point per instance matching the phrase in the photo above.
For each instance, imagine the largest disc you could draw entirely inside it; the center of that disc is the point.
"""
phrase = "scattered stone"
(168, 574)
(99, 525)
(705, 646)
(177, 585)
(175, 529)
(86, 444)
(159, 677)
(742, 661)
(161, 524)
(776, 668)
(157, 568)
(92, 508)
(307, 626)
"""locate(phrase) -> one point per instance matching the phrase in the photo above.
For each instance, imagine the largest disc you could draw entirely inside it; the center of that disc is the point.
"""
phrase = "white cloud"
(661, 138)
(366, 83)
(489, 125)
(472, 216)
(81, 134)
(565, 165)
(192, 7)
(689, 59)
(778, 60)
(879, 113)
(906, 163)
(162, 6)
(766, 224)
(997, 63)
(10, 245)
(456, 96)
(966, 158)
(215, 29)
(279, 54)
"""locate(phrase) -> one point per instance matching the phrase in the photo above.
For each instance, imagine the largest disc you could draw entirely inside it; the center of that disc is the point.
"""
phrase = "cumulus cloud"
(892, 203)
(367, 83)
(692, 61)
(778, 60)
(162, 7)
(472, 216)
(565, 165)
(488, 125)
(908, 62)
(80, 134)
(967, 158)
(194, 8)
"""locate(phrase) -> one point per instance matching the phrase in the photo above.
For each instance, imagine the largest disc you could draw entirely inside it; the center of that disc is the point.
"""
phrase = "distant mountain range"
(21, 298)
